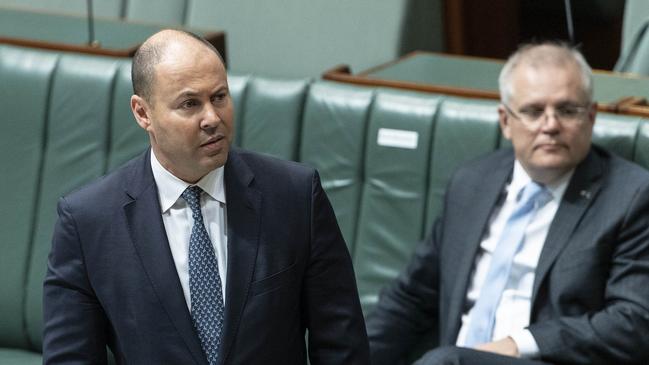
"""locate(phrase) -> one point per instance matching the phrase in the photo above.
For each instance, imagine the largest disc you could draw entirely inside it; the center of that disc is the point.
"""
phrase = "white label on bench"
(397, 138)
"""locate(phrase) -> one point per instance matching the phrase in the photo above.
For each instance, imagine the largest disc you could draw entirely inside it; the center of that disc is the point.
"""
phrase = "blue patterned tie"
(484, 311)
(204, 281)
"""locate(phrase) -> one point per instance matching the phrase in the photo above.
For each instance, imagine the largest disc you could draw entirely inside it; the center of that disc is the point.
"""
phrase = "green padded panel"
(641, 156)
(103, 8)
(127, 139)
(58, 28)
(464, 130)
(75, 153)
(333, 141)
(394, 191)
(169, 12)
(25, 79)
(237, 84)
(19, 357)
(617, 133)
(271, 123)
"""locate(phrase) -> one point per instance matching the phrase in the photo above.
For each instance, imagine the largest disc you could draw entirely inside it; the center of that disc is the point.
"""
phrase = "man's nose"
(549, 121)
(211, 118)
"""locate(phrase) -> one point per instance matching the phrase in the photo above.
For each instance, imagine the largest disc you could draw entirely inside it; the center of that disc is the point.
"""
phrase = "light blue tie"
(484, 311)
(204, 281)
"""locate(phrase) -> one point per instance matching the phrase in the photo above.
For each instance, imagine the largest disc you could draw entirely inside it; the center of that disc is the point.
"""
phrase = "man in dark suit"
(541, 254)
(194, 253)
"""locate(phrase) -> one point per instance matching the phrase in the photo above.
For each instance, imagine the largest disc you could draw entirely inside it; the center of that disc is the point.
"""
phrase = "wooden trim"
(342, 73)
(215, 38)
(633, 105)
(638, 111)
(126, 52)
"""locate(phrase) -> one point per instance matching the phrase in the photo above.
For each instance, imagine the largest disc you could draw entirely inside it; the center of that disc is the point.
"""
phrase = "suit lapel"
(243, 216)
(482, 201)
(581, 191)
(151, 244)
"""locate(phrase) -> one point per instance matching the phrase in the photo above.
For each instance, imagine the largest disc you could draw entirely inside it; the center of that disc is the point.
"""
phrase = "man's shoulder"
(265, 165)
(107, 187)
(619, 170)
(485, 164)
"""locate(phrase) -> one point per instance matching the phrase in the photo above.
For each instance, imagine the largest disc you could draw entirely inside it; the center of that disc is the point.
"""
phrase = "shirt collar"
(170, 187)
(520, 178)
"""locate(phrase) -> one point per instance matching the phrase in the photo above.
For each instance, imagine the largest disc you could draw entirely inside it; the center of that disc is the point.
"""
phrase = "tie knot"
(534, 194)
(192, 196)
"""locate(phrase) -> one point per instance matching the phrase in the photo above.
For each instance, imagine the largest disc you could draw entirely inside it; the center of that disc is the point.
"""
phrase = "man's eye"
(188, 104)
(567, 111)
(219, 97)
(532, 113)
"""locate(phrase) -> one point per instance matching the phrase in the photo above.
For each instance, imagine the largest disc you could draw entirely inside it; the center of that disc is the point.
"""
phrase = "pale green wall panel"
(296, 38)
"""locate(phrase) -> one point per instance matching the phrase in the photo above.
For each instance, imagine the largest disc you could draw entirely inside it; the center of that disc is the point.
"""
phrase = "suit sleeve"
(615, 334)
(408, 307)
(74, 323)
(336, 328)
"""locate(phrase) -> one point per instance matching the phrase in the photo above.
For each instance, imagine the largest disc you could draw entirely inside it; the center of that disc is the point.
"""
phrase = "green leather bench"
(384, 157)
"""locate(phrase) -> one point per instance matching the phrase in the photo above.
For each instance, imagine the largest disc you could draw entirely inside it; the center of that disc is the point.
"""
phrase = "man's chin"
(549, 170)
(214, 161)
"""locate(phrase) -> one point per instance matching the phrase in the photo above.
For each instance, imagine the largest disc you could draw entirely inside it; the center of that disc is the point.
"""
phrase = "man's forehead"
(536, 66)
(179, 78)
(541, 79)
(184, 61)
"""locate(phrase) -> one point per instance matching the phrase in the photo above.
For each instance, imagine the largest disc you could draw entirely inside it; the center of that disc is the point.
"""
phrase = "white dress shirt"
(513, 312)
(178, 221)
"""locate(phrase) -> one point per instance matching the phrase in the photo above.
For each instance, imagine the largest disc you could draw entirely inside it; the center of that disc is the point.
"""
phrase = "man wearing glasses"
(541, 254)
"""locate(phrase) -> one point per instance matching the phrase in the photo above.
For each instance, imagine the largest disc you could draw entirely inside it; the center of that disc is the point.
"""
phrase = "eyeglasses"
(564, 113)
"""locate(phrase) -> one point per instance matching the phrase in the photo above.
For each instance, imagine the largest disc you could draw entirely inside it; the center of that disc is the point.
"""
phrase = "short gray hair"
(544, 54)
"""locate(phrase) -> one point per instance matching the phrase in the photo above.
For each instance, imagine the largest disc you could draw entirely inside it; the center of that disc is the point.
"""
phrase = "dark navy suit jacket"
(111, 278)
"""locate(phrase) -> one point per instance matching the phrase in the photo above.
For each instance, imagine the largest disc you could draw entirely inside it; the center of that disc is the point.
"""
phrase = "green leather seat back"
(25, 76)
(20, 357)
(465, 129)
(272, 120)
(617, 133)
(76, 146)
(238, 84)
(333, 141)
(127, 139)
(393, 200)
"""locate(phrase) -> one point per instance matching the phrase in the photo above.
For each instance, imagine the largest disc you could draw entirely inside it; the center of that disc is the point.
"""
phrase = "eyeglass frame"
(581, 109)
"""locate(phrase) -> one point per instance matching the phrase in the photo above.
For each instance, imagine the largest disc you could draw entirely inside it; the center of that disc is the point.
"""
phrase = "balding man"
(541, 254)
(196, 253)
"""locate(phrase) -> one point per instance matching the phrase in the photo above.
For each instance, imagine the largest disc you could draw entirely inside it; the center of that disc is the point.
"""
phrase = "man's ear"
(503, 120)
(141, 112)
